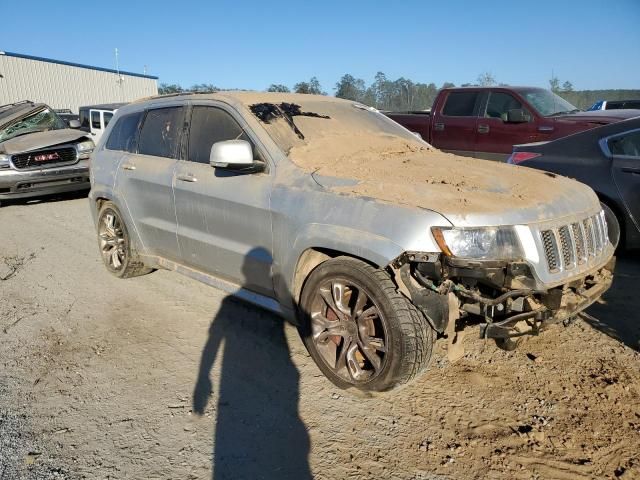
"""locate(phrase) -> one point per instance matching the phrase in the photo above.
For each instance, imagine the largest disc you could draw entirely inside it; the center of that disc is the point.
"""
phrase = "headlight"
(85, 148)
(4, 161)
(482, 243)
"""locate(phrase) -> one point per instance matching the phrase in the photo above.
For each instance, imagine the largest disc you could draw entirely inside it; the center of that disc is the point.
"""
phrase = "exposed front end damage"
(503, 297)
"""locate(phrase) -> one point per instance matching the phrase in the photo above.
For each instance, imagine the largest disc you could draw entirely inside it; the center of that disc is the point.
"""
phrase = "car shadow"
(258, 431)
(48, 198)
(619, 315)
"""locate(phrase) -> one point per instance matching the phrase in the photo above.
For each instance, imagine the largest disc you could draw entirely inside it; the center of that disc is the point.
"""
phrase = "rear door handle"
(187, 178)
(438, 127)
(483, 128)
(128, 166)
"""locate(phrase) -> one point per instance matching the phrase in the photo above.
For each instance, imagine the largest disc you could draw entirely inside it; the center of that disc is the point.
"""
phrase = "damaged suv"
(39, 154)
(327, 212)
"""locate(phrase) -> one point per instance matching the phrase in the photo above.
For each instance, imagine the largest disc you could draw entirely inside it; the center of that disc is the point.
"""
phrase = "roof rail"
(15, 103)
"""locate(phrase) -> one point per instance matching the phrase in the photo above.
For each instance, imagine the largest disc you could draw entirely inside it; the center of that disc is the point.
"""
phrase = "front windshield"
(38, 121)
(548, 103)
(331, 128)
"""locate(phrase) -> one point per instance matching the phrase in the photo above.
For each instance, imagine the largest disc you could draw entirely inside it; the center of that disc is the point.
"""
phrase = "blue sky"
(250, 44)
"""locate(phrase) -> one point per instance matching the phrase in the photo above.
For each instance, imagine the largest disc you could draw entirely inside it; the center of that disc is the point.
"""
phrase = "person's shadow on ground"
(258, 432)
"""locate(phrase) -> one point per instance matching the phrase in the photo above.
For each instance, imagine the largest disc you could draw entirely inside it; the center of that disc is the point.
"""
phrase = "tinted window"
(627, 144)
(84, 119)
(95, 120)
(499, 104)
(208, 126)
(123, 134)
(160, 133)
(460, 104)
(107, 118)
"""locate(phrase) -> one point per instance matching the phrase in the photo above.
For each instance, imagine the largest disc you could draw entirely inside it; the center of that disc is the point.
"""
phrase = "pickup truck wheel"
(360, 330)
(117, 253)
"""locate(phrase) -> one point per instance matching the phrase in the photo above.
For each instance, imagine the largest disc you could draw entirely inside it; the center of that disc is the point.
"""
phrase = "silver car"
(327, 212)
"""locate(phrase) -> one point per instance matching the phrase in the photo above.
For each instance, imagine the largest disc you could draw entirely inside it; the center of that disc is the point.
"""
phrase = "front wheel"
(360, 330)
(118, 254)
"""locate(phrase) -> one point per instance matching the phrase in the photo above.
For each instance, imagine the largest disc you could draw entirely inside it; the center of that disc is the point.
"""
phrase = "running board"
(233, 289)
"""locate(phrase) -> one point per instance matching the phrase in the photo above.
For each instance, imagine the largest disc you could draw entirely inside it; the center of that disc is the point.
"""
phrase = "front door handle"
(439, 127)
(632, 171)
(483, 128)
(128, 166)
(187, 178)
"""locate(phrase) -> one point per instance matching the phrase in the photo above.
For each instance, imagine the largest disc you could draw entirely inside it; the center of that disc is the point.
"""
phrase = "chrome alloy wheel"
(112, 241)
(348, 331)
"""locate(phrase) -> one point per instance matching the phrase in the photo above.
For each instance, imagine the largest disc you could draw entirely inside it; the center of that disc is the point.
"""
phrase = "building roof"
(71, 64)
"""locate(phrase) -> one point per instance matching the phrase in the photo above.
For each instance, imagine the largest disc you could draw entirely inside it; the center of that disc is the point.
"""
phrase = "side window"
(95, 120)
(84, 120)
(107, 116)
(500, 103)
(460, 104)
(160, 133)
(208, 126)
(627, 144)
(123, 133)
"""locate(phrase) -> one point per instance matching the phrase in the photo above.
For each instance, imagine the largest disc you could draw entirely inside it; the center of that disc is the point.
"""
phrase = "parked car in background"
(67, 115)
(486, 122)
(329, 213)
(39, 154)
(95, 118)
(608, 160)
(615, 105)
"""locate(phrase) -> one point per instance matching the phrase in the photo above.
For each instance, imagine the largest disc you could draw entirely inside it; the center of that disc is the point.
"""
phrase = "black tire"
(372, 362)
(116, 249)
(613, 225)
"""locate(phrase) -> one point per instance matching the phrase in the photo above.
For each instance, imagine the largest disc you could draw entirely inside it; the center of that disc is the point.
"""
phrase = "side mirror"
(517, 115)
(231, 153)
(74, 124)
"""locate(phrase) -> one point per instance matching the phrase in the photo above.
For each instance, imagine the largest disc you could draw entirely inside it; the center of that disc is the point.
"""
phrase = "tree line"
(403, 94)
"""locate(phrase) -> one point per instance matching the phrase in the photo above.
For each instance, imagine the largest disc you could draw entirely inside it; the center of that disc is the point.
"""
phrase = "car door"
(495, 135)
(95, 124)
(145, 180)
(224, 221)
(625, 152)
(453, 126)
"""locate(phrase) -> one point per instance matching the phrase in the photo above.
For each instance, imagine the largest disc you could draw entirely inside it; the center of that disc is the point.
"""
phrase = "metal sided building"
(66, 85)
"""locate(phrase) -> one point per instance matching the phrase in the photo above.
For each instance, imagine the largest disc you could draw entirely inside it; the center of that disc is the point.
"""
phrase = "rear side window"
(627, 144)
(123, 134)
(95, 120)
(460, 104)
(160, 133)
(107, 116)
(208, 126)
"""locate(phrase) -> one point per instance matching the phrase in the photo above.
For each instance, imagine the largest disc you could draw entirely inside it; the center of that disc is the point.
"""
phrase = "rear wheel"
(360, 330)
(116, 250)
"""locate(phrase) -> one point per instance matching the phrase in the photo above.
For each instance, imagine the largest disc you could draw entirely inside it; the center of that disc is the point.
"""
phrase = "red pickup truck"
(485, 122)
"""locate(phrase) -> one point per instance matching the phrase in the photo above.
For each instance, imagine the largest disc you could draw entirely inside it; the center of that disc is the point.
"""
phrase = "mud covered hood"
(38, 140)
(471, 192)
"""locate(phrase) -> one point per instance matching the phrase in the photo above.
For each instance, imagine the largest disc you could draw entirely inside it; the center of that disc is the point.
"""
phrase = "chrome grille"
(567, 246)
(579, 239)
(568, 249)
(41, 158)
(551, 250)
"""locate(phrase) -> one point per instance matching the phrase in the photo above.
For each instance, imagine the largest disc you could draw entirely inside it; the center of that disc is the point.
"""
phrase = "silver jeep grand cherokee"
(327, 212)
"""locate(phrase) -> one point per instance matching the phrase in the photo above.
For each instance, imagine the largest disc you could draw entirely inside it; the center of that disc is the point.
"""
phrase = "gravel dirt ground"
(109, 379)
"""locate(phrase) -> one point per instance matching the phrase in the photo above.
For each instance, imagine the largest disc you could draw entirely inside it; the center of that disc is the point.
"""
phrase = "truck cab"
(485, 122)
